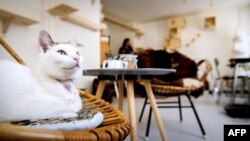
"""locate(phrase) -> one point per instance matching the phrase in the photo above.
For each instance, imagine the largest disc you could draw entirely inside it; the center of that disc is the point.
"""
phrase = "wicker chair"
(169, 91)
(115, 126)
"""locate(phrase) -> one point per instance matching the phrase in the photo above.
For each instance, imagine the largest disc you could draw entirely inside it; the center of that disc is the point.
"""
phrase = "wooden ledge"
(7, 17)
(61, 10)
(67, 13)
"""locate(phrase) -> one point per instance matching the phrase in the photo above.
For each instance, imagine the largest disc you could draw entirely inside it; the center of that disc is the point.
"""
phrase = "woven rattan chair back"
(115, 126)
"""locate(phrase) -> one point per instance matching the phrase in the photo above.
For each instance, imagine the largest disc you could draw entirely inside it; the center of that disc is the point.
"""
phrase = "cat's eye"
(78, 53)
(62, 52)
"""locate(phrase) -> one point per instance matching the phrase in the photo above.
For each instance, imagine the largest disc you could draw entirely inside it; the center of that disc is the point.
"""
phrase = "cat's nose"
(76, 58)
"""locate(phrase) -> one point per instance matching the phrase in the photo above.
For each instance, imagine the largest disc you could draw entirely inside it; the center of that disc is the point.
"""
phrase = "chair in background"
(225, 83)
(178, 91)
(221, 83)
(241, 70)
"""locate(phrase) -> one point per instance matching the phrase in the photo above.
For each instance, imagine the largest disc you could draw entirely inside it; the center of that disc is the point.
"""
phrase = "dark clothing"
(124, 50)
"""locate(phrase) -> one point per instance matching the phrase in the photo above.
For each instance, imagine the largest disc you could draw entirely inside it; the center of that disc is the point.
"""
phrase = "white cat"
(47, 93)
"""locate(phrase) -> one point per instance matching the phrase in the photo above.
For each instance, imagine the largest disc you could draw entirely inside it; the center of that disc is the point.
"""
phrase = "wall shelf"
(176, 22)
(7, 17)
(61, 10)
(193, 40)
(210, 23)
(174, 32)
(66, 13)
(173, 43)
(137, 31)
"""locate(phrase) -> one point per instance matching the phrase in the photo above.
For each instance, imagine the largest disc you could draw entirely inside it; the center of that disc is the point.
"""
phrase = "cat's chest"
(68, 86)
(58, 87)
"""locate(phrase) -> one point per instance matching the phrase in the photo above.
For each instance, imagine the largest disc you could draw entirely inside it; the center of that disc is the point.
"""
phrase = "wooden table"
(129, 75)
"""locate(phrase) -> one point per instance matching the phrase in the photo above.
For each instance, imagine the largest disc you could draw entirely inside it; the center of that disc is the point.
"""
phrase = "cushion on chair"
(171, 90)
(86, 119)
(115, 126)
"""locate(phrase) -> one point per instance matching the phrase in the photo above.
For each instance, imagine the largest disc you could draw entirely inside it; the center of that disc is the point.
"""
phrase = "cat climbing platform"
(66, 13)
(61, 10)
(194, 39)
(7, 17)
(136, 30)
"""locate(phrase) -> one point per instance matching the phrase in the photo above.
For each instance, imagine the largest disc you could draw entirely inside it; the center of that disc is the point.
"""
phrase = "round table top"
(234, 61)
(138, 71)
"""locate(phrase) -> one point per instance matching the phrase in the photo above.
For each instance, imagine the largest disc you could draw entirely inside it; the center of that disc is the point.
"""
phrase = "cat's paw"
(69, 115)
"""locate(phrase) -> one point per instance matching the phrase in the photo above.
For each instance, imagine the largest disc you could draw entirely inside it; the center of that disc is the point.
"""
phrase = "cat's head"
(59, 61)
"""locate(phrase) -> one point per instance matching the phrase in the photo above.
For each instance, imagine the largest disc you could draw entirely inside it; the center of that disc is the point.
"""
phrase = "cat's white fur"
(42, 94)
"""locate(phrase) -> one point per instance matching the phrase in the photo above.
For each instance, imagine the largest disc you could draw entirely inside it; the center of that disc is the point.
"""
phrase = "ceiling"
(150, 10)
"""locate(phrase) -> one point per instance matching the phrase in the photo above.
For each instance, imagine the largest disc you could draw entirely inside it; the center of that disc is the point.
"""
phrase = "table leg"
(131, 108)
(248, 86)
(121, 90)
(155, 109)
(233, 95)
(100, 88)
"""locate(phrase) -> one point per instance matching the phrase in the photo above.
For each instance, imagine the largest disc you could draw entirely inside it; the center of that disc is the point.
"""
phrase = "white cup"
(114, 64)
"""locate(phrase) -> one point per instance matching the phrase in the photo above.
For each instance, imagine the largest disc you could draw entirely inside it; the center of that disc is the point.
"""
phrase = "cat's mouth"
(73, 67)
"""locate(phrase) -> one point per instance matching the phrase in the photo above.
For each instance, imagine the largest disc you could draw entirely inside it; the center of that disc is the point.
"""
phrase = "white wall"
(211, 44)
(24, 39)
(117, 35)
(154, 35)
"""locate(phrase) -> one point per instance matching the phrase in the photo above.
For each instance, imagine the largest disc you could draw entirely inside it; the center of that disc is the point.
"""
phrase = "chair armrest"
(208, 68)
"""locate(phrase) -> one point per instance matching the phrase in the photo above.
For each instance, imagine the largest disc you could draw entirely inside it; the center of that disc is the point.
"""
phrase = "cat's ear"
(73, 41)
(45, 40)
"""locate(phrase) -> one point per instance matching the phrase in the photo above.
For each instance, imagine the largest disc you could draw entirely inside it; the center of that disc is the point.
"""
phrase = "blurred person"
(126, 47)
